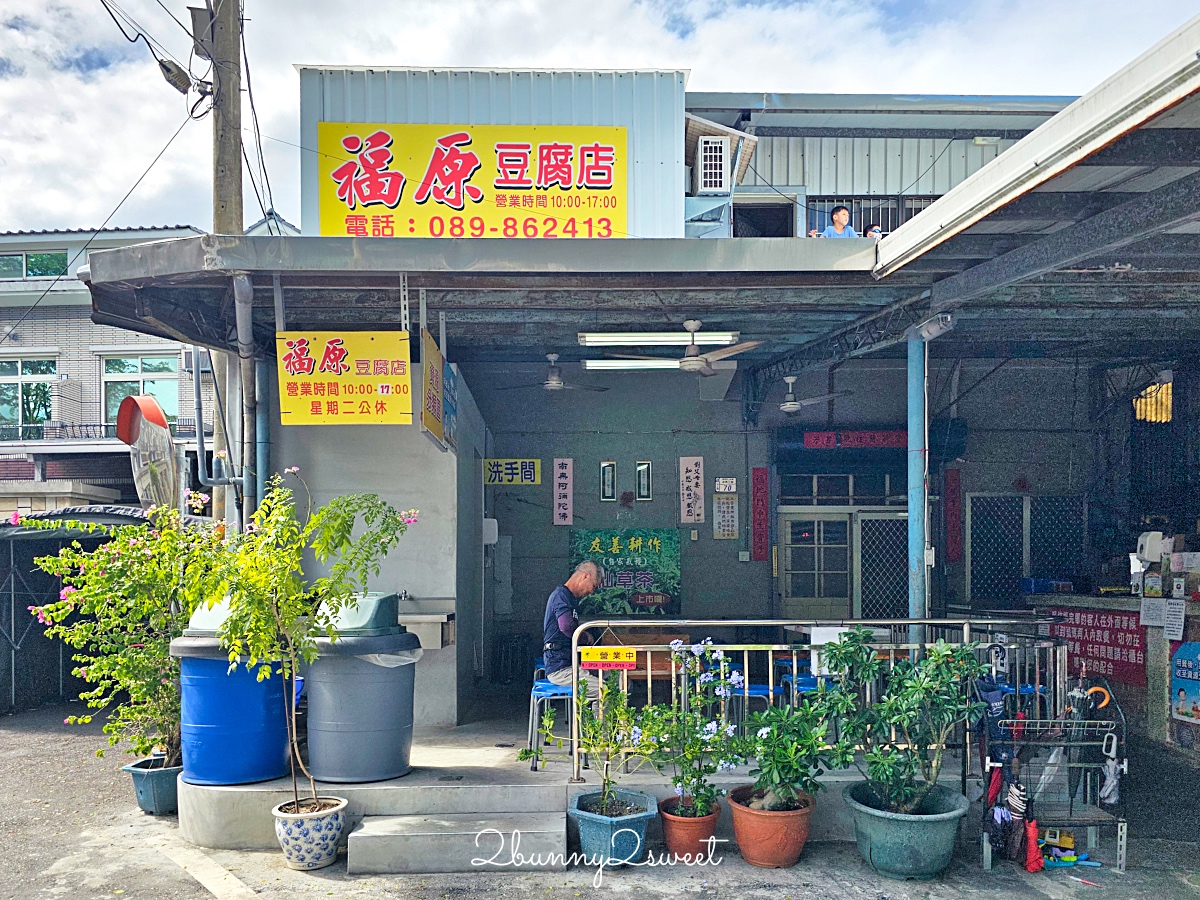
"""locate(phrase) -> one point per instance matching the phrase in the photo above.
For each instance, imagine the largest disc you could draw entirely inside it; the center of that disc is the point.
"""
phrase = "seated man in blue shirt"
(840, 227)
(560, 621)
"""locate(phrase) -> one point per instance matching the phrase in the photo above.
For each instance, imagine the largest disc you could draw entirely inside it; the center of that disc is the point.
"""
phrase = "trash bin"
(233, 728)
(360, 695)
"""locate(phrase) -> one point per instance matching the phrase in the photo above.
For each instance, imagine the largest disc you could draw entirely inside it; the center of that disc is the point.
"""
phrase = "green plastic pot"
(155, 785)
(907, 846)
(615, 841)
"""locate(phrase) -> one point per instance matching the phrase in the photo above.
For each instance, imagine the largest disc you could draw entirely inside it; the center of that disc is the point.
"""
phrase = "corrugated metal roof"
(52, 231)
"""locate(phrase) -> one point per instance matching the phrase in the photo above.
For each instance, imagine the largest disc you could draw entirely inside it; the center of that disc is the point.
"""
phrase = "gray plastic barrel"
(360, 695)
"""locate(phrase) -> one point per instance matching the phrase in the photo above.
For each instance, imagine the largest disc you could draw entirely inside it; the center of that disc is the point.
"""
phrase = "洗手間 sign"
(512, 471)
(454, 181)
(344, 378)
(607, 658)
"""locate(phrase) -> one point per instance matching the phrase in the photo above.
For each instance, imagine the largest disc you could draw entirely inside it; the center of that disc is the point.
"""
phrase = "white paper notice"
(691, 489)
(1191, 562)
(1173, 626)
(1154, 612)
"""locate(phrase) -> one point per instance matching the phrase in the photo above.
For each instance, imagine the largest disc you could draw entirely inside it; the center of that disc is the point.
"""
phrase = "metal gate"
(1012, 536)
(881, 577)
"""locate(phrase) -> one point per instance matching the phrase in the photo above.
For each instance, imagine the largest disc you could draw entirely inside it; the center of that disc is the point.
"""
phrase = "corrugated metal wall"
(649, 104)
(859, 165)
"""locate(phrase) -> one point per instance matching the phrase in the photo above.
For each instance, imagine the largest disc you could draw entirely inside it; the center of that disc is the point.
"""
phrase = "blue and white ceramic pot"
(310, 840)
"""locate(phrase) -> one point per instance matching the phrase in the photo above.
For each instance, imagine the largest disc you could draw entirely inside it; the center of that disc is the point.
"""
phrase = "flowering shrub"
(120, 606)
(611, 733)
(690, 739)
(275, 615)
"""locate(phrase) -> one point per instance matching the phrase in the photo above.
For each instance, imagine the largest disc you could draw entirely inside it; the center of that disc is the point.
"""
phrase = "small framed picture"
(645, 481)
(608, 481)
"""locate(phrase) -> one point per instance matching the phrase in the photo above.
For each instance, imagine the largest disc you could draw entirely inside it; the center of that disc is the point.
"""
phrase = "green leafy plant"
(690, 737)
(275, 614)
(792, 747)
(120, 606)
(611, 734)
(903, 734)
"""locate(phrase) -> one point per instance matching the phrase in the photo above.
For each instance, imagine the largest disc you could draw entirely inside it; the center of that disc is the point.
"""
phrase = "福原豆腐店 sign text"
(455, 181)
(344, 378)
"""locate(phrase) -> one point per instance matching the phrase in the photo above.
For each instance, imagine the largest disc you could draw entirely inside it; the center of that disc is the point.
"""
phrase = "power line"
(265, 176)
(12, 329)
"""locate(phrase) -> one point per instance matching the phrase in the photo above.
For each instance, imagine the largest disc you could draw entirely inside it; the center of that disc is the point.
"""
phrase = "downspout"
(243, 304)
(262, 427)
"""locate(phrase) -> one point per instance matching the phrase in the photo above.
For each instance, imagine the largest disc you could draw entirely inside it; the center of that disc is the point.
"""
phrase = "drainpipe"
(243, 300)
(262, 428)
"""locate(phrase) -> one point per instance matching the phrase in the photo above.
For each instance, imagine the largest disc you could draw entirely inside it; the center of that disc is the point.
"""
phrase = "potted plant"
(791, 747)
(612, 821)
(905, 823)
(121, 604)
(275, 616)
(691, 741)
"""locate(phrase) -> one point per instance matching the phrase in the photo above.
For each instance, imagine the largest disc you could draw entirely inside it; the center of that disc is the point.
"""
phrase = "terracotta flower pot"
(687, 835)
(766, 838)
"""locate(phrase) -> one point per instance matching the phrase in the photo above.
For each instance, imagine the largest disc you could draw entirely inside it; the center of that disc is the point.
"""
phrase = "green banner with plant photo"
(641, 570)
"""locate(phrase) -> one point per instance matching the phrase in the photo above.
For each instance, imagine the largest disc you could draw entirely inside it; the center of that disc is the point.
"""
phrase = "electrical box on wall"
(491, 531)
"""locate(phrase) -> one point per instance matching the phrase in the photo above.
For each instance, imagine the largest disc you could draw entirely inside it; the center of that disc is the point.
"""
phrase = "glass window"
(870, 490)
(25, 397)
(803, 531)
(127, 376)
(38, 366)
(46, 265)
(835, 531)
(12, 266)
(121, 366)
(160, 364)
(802, 559)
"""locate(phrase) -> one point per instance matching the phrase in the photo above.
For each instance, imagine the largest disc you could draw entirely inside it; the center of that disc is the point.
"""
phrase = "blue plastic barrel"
(233, 726)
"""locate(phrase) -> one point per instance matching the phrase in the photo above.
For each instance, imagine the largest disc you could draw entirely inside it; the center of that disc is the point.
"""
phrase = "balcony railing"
(1012, 648)
(88, 431)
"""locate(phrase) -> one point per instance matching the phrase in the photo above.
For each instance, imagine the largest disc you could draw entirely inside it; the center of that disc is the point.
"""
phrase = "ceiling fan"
(554, 380)
(693, 360)
(790, 404)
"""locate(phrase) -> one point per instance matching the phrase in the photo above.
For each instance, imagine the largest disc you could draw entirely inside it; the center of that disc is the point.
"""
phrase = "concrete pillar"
(917, 495)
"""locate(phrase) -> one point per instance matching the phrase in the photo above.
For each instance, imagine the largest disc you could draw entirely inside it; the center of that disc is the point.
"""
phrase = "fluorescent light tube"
(630, 364)
(656, 339)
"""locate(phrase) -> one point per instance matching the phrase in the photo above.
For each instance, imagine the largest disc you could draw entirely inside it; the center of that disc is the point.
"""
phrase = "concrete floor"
(70, 829)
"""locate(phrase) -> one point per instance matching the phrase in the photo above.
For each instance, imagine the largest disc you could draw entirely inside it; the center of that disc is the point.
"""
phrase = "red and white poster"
(564, 492)
(1111, 644)
(760, 512)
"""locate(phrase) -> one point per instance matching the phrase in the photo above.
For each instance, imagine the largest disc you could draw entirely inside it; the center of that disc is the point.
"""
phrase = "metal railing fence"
(1035, 665)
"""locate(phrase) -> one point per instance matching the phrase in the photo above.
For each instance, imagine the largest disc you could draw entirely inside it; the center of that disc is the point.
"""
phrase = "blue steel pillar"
(917, 497)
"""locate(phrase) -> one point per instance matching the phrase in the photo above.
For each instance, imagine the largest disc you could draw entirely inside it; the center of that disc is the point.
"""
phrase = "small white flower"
(763, 733)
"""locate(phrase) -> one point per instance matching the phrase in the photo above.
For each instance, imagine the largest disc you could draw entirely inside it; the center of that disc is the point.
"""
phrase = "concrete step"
(238, 817)
(425, 844)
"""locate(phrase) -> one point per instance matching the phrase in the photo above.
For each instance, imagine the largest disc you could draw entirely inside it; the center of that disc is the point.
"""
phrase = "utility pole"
(227, 199)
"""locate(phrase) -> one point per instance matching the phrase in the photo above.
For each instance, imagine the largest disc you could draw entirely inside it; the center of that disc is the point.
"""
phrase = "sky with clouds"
(85, 110)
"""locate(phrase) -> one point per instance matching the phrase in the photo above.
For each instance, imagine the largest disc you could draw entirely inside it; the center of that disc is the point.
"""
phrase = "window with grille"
(712, 164)
(872, 489)
(25, 404)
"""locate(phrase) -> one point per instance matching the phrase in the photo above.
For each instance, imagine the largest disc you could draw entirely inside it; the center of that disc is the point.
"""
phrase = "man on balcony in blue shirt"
(840, 227)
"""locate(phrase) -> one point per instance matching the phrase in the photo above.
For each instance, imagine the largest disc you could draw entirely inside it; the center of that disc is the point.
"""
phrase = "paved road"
(70, 829)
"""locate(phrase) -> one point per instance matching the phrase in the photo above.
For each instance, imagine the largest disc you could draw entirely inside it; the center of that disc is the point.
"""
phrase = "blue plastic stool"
(544, 692)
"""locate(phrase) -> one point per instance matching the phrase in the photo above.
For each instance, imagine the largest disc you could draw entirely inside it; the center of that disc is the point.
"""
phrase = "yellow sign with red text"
(607, 658)
(344, 378)
(497, 181)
